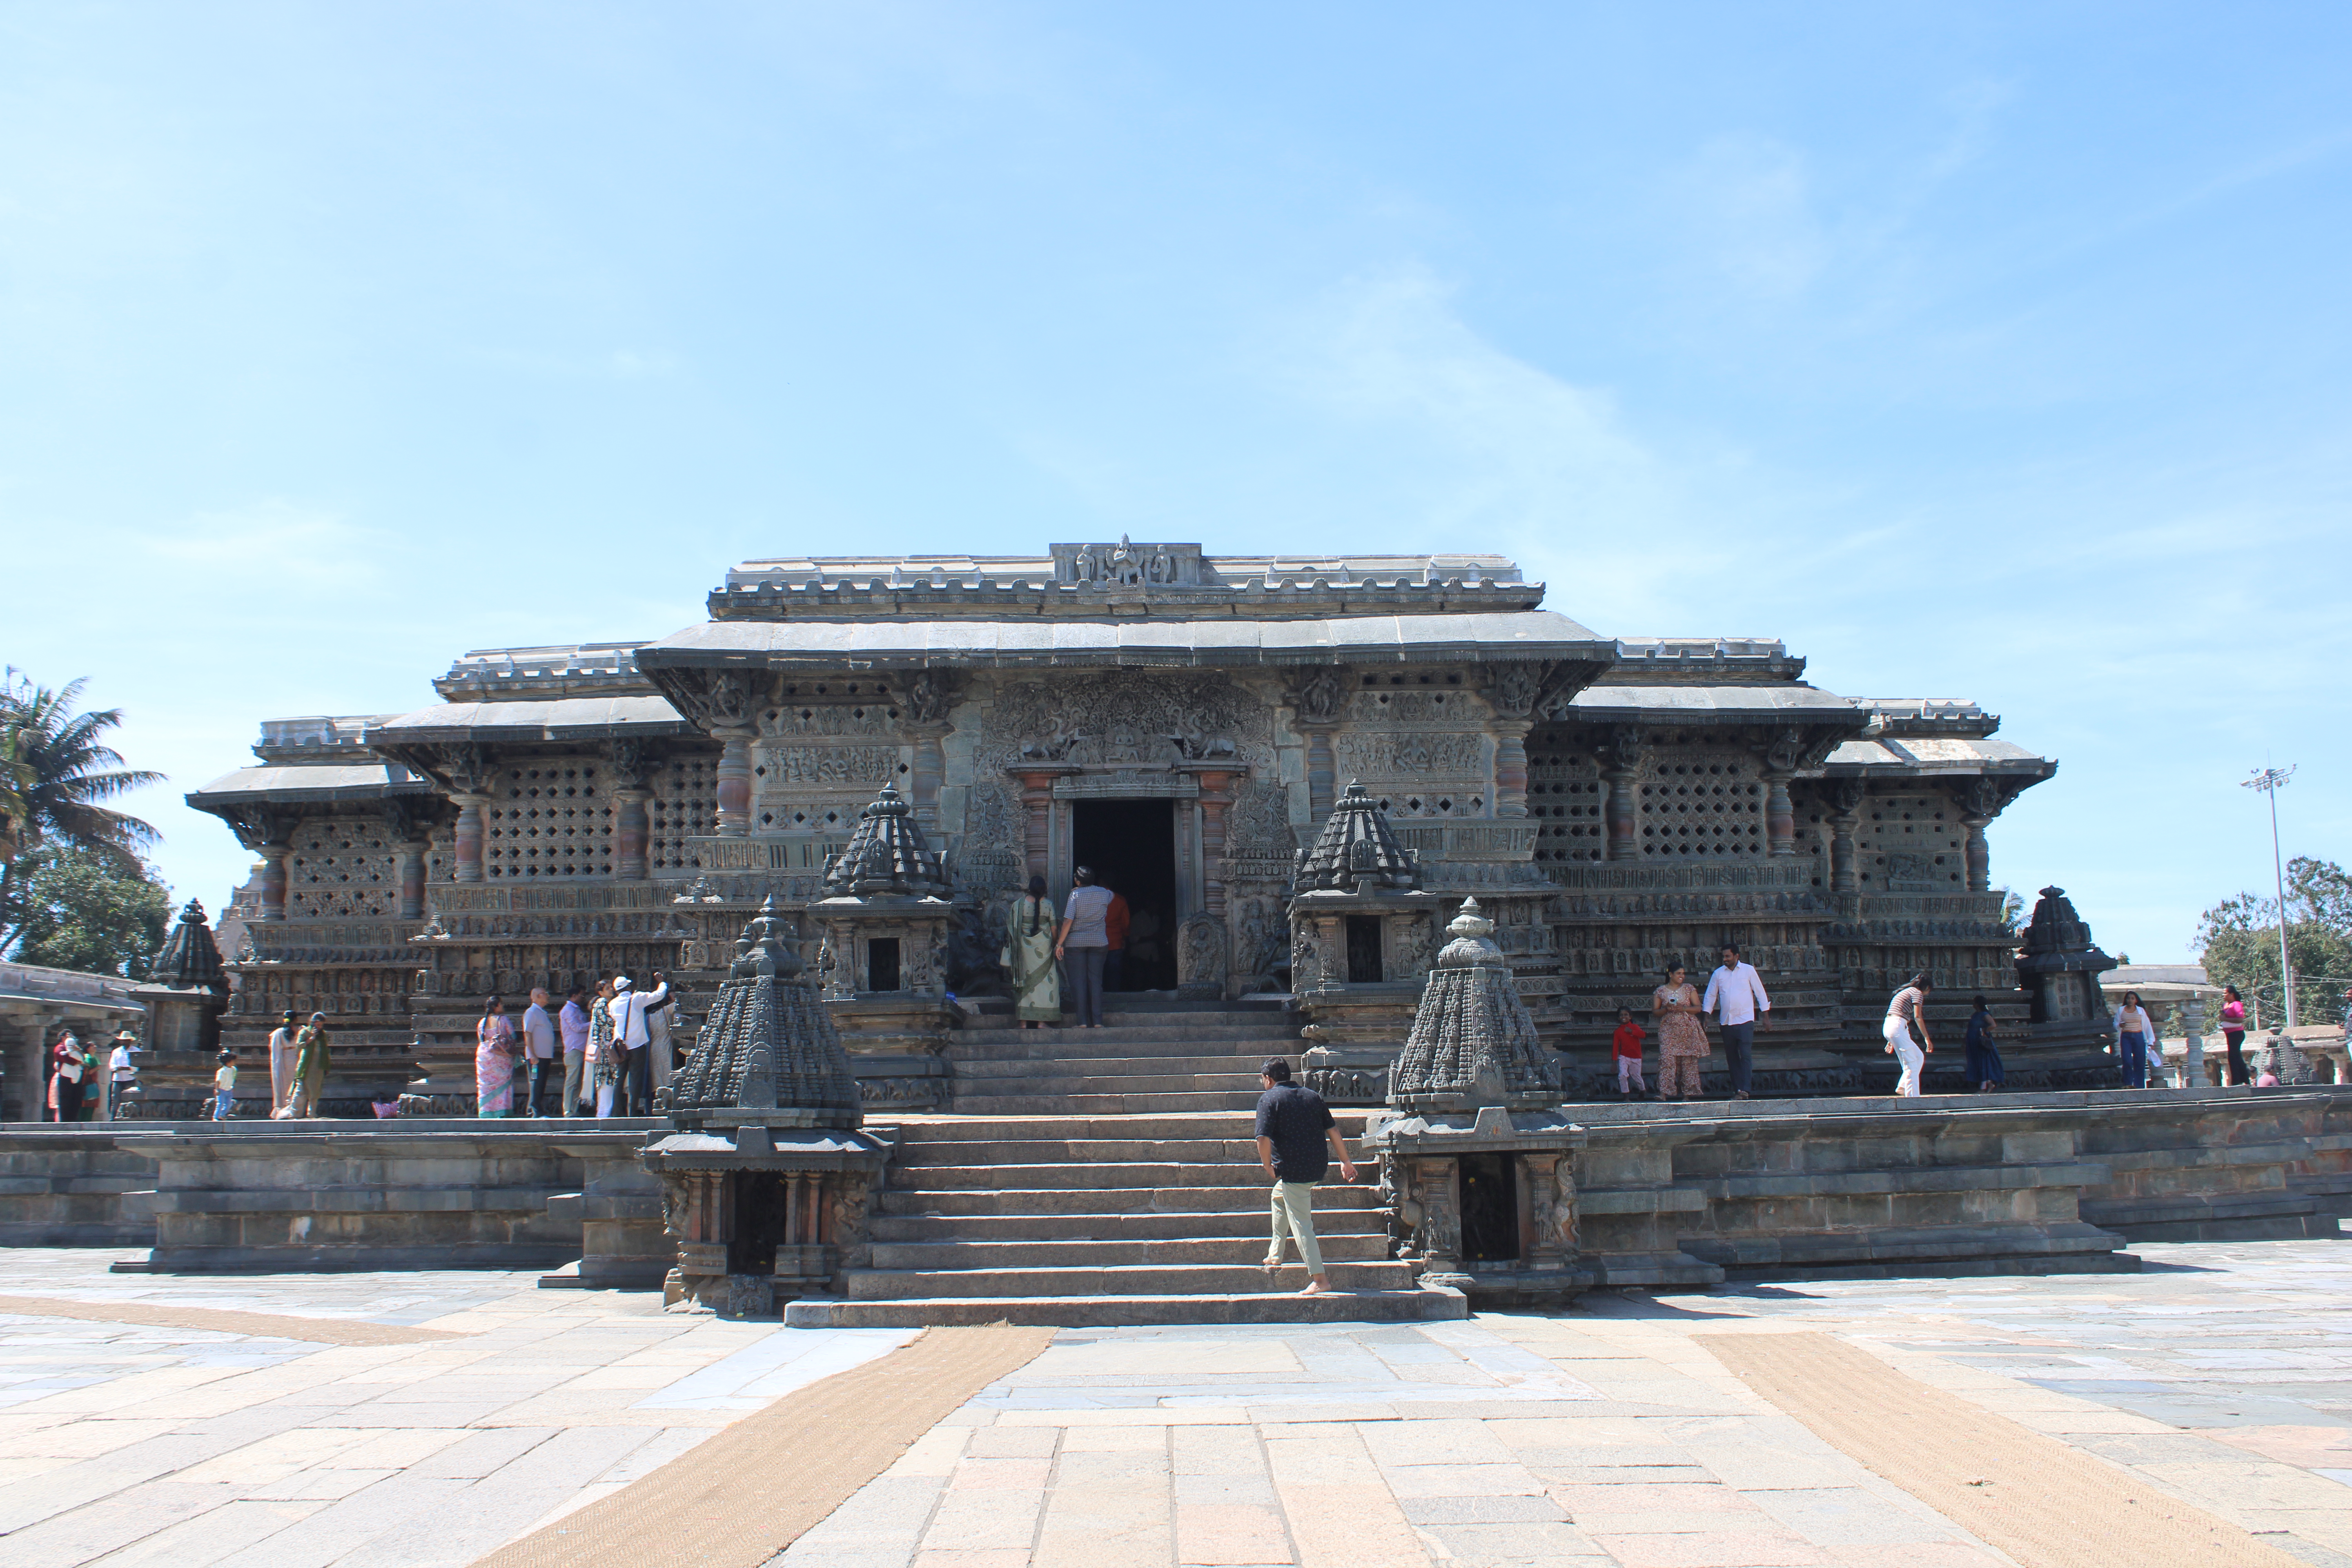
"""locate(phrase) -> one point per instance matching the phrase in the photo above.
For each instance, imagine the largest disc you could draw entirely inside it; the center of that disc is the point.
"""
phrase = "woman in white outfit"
(1907, 1012)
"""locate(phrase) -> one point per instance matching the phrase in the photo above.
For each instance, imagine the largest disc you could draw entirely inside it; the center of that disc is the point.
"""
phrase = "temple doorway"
(1131, 845)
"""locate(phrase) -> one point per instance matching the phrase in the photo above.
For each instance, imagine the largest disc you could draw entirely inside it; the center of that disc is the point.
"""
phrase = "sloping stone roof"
(1037, 642)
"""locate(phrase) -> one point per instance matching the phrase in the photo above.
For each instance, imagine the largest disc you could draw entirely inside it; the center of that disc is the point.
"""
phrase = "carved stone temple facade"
(1184, 724)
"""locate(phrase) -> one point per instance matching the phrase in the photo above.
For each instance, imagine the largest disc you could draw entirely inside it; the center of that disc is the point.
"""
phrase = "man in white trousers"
(1907, 1012)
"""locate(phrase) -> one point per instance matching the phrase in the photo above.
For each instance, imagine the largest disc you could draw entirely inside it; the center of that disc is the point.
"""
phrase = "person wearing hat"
(310, 1064)
(121, 1073)
(630, 1034)
(281, 1063)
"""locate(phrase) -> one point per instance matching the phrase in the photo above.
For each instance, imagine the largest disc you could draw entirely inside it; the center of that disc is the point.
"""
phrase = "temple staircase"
(1119, 1185)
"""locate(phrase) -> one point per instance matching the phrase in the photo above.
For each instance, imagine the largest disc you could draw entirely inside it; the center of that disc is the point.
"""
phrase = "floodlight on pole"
(2270, 780)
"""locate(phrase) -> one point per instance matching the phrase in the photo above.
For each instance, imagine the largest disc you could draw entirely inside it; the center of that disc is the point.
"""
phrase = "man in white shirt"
(1735, 995)
(628, 1009)
(121, 1073)
(538, 1046)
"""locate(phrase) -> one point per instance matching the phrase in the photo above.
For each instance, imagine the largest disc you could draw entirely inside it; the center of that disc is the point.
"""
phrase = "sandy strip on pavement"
(2044, 1503)
(735, 1500)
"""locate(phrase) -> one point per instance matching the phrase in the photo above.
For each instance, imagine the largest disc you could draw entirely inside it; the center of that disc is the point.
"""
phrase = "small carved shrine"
(886, 923)
(2059, 964)
(1480, 1169)
(1361, 931)
(766, 1177)
(185, 993)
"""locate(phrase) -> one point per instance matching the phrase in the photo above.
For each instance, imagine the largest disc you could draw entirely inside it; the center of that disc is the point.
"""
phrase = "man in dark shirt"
(1293, 1124)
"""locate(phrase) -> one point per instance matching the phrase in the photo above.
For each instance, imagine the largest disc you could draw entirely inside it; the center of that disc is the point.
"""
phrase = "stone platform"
(1143, 1219)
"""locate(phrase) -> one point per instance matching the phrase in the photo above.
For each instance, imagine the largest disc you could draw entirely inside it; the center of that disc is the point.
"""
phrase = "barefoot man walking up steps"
(1292, 1124)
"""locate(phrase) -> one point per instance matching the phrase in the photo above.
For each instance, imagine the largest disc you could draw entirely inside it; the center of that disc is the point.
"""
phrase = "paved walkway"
(1609, 1435)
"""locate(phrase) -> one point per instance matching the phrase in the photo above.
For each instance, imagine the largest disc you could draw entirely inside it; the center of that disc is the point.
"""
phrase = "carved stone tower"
(882, 964)
(766, 1177)
(1361, 931)
(1480, 1167)
(186, 994)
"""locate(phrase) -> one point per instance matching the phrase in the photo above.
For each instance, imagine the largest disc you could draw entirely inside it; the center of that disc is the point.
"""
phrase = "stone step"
(1149, 1040)
(1097, 1201)
(1102, 1176)
(1178, 1126)
(1093, 1104)
(1037, 1082)
(1186, 1151)
(1132, 1279)
(1247, 1222)
(1425, 1304)
(990, 1070)
(1058, 1254)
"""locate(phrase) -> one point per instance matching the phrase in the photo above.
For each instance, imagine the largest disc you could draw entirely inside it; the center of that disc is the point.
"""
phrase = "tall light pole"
(2270, 780)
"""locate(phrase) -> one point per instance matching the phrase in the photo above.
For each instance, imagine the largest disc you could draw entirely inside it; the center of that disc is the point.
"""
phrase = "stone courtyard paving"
(1605, 1435)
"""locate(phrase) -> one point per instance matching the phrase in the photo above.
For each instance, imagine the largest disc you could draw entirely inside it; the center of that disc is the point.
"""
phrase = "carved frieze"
(1126, 718)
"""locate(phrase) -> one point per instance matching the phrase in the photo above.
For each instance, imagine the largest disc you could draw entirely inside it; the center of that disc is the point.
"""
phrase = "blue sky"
(1993, 351)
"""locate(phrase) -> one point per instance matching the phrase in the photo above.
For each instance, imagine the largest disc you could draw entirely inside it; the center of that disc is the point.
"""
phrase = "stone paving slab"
(2221, 1376)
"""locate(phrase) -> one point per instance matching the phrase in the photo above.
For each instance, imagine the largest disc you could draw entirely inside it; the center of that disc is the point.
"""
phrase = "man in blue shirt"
(1293, 1124)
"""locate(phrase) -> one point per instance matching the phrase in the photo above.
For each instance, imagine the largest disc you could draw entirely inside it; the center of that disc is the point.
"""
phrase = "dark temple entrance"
(1131, 845)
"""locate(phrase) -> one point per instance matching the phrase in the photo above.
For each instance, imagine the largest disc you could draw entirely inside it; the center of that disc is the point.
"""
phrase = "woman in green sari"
(1029, 955)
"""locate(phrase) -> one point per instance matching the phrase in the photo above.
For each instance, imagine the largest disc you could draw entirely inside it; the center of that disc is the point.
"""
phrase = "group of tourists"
(613, 1045)
(1089, 941)
(74, 1090)
(1735, 995)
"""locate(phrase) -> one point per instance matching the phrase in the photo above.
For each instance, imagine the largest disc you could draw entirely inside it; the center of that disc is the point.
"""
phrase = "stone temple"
(1185, 724)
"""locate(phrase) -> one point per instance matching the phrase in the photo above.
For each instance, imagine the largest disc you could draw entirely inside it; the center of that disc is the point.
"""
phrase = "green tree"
(64, 772)
(93, 910)
(2239, 939)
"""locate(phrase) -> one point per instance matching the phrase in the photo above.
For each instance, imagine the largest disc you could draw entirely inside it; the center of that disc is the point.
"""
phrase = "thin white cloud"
(1747, 200)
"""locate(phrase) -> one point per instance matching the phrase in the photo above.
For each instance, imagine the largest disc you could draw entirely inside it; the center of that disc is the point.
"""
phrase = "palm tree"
(62, 771)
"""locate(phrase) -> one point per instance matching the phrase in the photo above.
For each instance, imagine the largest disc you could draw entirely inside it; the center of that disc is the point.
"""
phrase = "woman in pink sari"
(494, 1061)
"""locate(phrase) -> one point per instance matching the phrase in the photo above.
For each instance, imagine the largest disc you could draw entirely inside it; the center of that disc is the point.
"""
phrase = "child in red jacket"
(1627, 1043)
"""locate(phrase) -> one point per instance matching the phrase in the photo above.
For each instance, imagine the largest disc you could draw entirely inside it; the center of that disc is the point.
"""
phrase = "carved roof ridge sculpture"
(768, 1052)
(190, 960)
(1357, 850)
(2055, 928)
(886, 855)
(1474, 1043)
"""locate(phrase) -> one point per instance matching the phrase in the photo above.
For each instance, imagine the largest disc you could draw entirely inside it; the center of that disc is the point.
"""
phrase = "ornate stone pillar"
(1037, 801)
(1844, 797)
(1621, 758)
(930, 771)
(1511, 766)
(631, 833)
(1320, 771)
(1214, 799)
(734, 777)
(1779, 814)
(412, 881)
(470, 836)
(273, 879)
(1980, 802)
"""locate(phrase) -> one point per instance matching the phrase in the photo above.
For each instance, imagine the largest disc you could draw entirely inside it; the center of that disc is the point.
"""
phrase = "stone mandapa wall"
(2014, 1184)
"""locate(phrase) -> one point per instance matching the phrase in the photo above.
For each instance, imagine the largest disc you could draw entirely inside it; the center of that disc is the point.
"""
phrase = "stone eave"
(550, 720)
(309, 784)
(1880, 755)
(1042, 643)
(1776, 704)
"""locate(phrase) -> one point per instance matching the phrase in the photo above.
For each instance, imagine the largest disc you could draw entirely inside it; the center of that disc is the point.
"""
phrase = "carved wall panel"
(685, 805)
(1565, 797)
(551, 818)
(342, 868)
(1699, 800)
(1160, 716)
(1910, 843)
